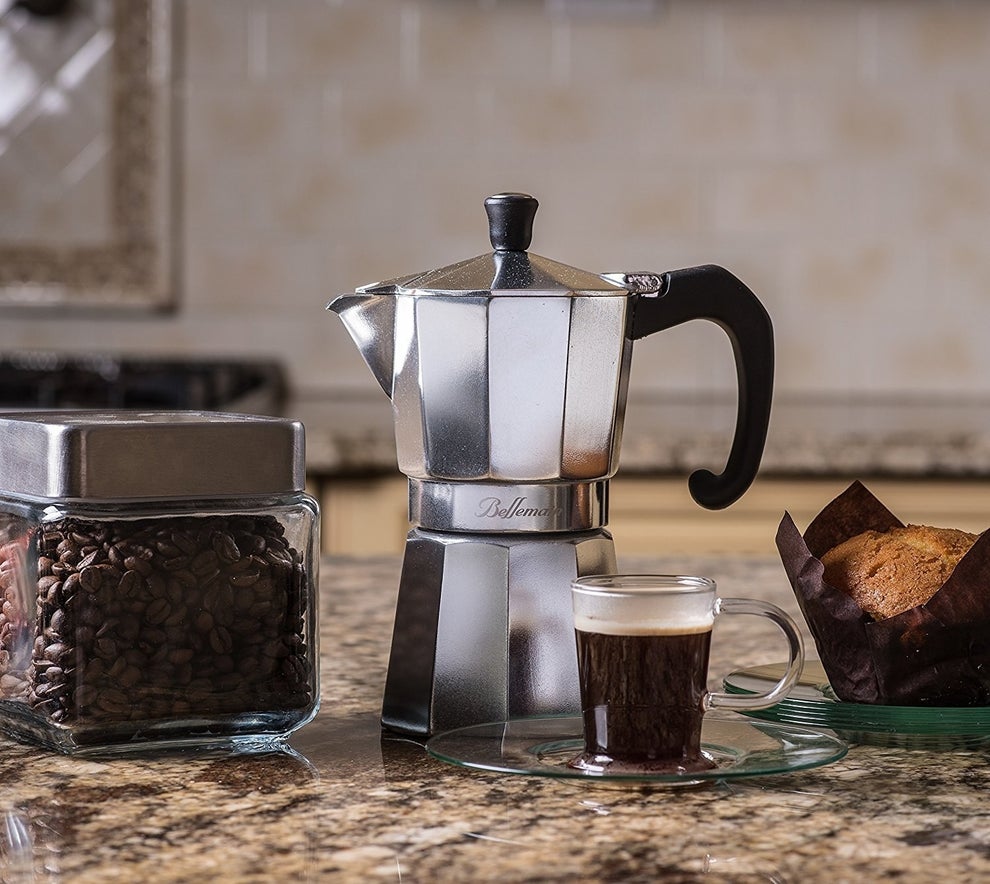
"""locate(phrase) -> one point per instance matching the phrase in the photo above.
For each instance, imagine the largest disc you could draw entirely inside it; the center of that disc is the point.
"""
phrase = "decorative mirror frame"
(136, 266)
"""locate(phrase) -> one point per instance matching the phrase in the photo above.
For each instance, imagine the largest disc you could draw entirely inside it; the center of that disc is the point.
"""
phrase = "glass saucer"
(542, 747)
(812, 703)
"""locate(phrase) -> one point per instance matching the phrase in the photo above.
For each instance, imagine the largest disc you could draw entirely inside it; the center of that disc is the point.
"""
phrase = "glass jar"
(159, 579)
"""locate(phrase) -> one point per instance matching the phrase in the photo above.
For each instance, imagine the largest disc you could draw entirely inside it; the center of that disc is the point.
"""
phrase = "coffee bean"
(168, 549)
(57, 652)
(157, 585)
(176, 563)
(186, 579)
(93, 558)
(71, 584)
(203, 622)
(294, 669)
(175, 592)
(108, 627)
(51, 691)
(179, 615)
(105, 648)
(54, 674)
(58, 621)
(47, 582)
(225, 547)
(220, 640)
(158, 611)
(136, 563)
(185, 541)
(247, 578)
(112, 701)
(91, 578)
(276, 556)
(211, 599)
(110, 572)
(178, 656)
(260, 609)
(134, 657)
(130, 582)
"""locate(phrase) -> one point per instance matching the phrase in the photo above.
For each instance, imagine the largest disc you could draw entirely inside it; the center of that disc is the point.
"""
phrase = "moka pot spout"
(370, 320)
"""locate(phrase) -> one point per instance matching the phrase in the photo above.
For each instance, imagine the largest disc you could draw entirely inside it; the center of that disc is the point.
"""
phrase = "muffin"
(900, 614)
(889, 572)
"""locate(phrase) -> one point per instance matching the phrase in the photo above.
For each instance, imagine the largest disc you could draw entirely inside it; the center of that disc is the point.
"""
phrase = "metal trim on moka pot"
(508, 375)
(496, 507)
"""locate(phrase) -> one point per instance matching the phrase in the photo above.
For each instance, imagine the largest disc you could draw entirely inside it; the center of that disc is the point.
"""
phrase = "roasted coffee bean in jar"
(159, 577)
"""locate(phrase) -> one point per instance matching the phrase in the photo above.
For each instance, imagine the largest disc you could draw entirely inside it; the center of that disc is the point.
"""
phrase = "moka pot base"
(483, 627)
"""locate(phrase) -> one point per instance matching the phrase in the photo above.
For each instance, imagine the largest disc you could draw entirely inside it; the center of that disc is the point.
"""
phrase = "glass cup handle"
(795, 656)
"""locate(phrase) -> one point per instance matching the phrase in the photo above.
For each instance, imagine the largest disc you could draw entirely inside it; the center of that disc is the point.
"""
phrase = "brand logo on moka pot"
(492, 508)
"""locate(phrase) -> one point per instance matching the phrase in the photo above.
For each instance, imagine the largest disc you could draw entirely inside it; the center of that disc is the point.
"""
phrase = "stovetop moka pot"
(508, 375)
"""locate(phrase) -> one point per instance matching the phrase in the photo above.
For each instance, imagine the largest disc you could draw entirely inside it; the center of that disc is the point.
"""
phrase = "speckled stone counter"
(346, 804)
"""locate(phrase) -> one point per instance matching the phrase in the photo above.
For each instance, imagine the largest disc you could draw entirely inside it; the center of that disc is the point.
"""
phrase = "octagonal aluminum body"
(484, 630)
(497, 387)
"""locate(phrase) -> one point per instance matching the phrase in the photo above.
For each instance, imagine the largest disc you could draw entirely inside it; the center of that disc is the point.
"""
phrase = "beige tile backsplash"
(832, 154)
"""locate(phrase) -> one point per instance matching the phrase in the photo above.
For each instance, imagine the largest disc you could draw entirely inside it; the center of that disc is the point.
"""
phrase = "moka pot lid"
(508, 270)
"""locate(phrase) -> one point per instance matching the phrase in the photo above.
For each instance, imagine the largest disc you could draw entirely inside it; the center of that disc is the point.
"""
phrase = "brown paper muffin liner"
(936, 654)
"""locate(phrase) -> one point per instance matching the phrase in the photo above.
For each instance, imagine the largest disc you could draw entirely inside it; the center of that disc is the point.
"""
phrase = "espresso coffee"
(642, 696)
(642, 646)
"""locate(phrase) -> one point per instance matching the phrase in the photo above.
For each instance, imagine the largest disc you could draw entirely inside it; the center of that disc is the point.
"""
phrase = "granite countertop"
(346, 804)
(809, 435)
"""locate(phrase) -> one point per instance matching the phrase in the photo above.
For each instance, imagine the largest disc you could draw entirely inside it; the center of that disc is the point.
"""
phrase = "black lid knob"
(510, 221)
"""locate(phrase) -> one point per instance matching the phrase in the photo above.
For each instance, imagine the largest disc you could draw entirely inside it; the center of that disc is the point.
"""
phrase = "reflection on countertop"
(347, 803)
(809, 435)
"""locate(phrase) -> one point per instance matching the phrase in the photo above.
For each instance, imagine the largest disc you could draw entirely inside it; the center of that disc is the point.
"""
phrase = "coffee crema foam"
(684, 615)
(640, 627)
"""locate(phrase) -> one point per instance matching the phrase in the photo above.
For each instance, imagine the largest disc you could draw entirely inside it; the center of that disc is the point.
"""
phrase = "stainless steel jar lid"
(127, 455)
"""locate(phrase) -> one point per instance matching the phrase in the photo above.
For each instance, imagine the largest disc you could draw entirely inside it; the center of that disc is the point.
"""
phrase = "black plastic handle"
(712, 293)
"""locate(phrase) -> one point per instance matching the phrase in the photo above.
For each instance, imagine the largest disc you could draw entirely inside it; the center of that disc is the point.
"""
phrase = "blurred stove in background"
(45, 380)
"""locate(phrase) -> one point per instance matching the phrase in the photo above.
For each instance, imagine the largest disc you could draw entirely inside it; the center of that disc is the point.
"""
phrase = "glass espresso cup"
(642, 643)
